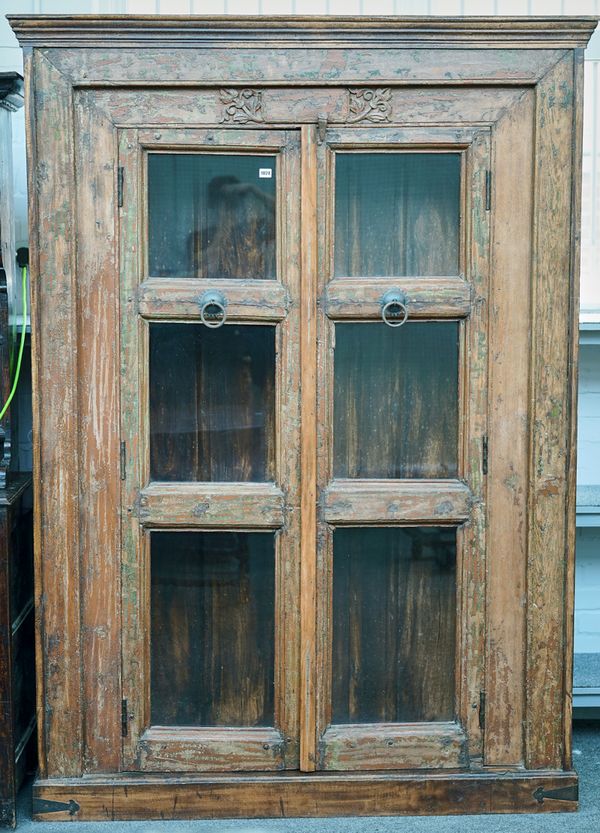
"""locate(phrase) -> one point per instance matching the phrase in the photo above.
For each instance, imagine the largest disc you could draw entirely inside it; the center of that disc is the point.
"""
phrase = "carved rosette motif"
(369, 105)
(242, 106)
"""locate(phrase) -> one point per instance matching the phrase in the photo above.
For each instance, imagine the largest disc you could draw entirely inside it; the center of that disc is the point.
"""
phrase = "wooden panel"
(577, 145)
(390, 746)
(212, 750)
(308, 452)
(383, 501)
(179, 298)
(509, 322)
(302, 65)
(294, 106)
(283, 795)
(433, 298)
(471, 536)
(55, 419)
(98, 452)
(393, 603)
(244, 505)
(133, 388)
(551, 407)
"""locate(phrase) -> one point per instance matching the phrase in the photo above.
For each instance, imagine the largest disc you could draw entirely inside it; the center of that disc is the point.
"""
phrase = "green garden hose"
(21, 345)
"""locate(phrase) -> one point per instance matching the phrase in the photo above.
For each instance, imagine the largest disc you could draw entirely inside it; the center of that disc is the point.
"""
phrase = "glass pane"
(394, 614)
(211, 215)
(212, 402)
(212, 628)
(396, 400)
(396, 214)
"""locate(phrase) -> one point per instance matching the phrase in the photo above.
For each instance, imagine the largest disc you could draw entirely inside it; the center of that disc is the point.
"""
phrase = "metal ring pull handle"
(393, 308)
(212, 309)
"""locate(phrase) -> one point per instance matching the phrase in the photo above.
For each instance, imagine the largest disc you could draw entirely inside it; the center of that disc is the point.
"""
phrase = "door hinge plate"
(123, 459)
(120, 177)
(559, 794)
(124, 718)
(482, 710)
(321, 127)
(488, 190)
(484, 455)
(41, 806)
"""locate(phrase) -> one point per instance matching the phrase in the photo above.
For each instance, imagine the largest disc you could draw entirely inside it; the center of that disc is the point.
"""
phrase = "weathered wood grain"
(473, 399)
(283, 795)
(245, 505)
(575, 256)
(385, 501)
(179, 298)
(308, 452)
(551, 393)
(356, 298)
(306, 64)
(55, 418)
(98, 453)
(394, 746)
(294, 106)
(212, 750)
(509, 317)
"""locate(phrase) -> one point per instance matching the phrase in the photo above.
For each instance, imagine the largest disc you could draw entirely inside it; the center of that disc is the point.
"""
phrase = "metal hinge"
(124, 718)
(120, 177)
(559, 794)
(321, 127)
(123, 459)
(488, 190)
(484, 461)
(41, 806)
(482, 710)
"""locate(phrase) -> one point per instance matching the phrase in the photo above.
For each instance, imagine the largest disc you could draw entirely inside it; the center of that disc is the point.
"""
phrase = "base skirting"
(127, 796)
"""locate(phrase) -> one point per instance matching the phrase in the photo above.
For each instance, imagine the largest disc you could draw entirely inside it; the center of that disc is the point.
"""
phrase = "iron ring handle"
(394, 300)
(213, 312)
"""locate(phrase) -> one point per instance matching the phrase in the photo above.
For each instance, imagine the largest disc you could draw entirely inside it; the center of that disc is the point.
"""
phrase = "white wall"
(588, 548)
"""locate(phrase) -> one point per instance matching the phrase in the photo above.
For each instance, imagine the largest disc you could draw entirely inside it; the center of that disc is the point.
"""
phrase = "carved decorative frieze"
(242, 106)
(369, 105)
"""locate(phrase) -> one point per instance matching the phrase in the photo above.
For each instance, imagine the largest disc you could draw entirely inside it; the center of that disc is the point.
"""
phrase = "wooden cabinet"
(305, 314)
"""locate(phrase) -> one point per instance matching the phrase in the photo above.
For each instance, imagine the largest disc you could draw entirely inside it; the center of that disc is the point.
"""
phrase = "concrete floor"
(586, 744)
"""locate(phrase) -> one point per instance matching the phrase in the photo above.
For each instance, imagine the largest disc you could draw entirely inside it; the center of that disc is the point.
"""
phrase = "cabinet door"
(402, 380)
(209, 409)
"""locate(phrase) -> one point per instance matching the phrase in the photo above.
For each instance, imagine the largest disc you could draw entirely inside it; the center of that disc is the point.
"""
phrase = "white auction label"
(265, 173)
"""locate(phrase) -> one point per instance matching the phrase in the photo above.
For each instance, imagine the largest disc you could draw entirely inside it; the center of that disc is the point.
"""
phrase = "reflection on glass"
(396, 214)
(212, 628)
(212, 402)
(211, 215)
(394, 616)
(396, 400)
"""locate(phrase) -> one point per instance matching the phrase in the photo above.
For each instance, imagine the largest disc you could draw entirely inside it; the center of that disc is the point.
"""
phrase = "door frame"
(415, 745)
(148, 506)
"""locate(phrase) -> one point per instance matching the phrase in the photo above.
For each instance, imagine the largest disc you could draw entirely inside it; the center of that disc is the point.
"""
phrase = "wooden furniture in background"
(304, 563)
(17, 666)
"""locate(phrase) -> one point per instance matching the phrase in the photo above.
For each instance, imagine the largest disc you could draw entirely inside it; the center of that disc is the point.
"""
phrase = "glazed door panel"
(210, 399)
(402, 381)
(304, 438)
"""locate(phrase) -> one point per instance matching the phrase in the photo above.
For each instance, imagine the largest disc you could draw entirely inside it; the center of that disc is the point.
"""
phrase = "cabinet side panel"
(99, 481)
(551, 392)
(577, 142)
(508, 438)
(54, 344)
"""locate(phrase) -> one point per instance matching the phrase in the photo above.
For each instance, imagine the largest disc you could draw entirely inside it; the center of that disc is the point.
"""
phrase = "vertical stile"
(308, 451)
